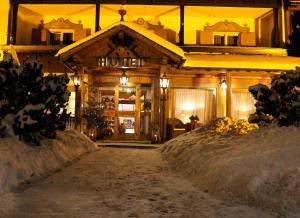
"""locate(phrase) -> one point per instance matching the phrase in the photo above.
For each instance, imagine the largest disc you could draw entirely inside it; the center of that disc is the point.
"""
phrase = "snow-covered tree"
(32, 105)
(281, 100)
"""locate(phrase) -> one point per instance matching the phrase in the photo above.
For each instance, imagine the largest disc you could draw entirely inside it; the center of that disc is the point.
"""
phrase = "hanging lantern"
(164, 82)
(123, 79)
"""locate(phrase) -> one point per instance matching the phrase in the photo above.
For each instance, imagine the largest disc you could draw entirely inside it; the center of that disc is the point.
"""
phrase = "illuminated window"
(242, 105)
(61, 36)
(188, 102)
(226, 38)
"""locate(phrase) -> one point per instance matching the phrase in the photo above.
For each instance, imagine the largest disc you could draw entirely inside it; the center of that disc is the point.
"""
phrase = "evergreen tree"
(31, 106)
(282, 100)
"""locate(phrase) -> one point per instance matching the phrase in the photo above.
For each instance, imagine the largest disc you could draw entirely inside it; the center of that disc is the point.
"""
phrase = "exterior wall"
(4, 11)
(27, 20)
(196, 18)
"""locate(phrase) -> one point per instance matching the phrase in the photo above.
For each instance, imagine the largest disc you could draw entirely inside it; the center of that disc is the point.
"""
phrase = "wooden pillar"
(181, 31)
(275, 32)
(221, 102)
(282, 24)
(97, 19)
(138, 111)
(228, 94)
(288, 26)
(12, 25)
(116, 118)
(155, 92)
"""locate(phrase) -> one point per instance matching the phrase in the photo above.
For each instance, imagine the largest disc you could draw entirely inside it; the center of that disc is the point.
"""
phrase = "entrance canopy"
(128, 41)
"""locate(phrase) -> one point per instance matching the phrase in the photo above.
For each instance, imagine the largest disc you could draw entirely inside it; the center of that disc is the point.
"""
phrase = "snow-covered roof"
(232, 61)
(134, 27)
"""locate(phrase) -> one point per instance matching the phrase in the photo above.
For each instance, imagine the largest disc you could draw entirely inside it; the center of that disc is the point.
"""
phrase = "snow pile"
(20, 162)
(260, 169)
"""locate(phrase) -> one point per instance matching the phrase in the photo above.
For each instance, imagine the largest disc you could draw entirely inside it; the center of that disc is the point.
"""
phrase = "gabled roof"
(154, 38)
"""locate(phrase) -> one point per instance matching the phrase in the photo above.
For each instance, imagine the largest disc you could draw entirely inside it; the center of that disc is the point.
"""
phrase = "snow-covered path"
(116, 182)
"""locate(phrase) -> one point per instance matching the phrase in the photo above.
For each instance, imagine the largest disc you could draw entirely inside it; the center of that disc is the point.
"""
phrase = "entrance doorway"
(127, 110)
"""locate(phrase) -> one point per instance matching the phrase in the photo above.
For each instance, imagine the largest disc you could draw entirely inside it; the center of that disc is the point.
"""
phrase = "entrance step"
(127, 144)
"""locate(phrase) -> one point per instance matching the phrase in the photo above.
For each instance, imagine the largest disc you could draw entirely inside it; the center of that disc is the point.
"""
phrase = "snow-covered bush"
(281, 101)
(240, 127)
(31, 106)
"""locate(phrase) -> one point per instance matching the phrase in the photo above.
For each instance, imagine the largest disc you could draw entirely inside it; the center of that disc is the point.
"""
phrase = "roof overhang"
(246, 62)
(162, 45)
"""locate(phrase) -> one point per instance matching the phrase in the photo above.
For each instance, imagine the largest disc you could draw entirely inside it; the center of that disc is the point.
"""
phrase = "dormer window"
(61, 36)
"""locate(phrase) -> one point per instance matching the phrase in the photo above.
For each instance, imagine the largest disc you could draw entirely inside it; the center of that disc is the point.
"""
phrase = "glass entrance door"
(127, 110)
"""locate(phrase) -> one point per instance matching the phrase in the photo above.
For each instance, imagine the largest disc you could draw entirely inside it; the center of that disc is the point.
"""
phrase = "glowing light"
(164, 81)
(123, 79)
(223, 85)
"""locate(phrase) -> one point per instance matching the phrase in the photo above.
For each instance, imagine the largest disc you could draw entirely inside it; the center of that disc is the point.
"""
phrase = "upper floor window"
(61, 37)
(225, 33)
(58, 32)
(226, 38)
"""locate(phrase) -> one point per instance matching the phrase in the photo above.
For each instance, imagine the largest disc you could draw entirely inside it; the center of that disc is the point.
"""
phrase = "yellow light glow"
(4, 11)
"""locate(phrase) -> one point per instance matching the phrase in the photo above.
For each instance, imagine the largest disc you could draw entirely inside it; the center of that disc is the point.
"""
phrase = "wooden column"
(228, 94)
(138, 111)
(12, 23)
(97, 18)
(116, 121)
(288, 26)
(155, 92)
(181, 31)
(275, 32)
(221, 102)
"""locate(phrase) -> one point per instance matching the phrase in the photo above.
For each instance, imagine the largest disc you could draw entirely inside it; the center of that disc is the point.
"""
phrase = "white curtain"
(188, 102)
(71, 104)
(242, 105)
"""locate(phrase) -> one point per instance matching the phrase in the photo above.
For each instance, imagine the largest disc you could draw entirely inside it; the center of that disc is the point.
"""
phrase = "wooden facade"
(223, 51)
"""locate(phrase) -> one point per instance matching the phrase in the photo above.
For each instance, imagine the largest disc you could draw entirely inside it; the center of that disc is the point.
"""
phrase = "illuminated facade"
(211, 52)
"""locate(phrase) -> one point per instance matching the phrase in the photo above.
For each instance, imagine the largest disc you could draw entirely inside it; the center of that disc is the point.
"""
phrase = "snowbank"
(20, 162)
(260, 169)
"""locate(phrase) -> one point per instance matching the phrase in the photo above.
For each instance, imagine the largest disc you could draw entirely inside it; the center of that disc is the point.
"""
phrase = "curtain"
(188, 102)
(242, 105)
(71, 104)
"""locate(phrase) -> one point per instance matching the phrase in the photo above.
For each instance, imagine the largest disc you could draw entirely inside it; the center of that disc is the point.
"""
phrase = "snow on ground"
(119, 183)
(260, 169)
(20, 162)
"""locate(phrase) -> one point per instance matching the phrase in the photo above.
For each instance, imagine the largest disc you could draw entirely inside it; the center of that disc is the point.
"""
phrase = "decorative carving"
(226, 26)
(62, 23)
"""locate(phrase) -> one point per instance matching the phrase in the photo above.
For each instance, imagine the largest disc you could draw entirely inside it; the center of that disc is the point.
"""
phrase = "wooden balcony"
(231, 3)
(235, 50)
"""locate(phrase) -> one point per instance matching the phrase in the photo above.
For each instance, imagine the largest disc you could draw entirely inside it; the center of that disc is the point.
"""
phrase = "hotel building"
(211, 52)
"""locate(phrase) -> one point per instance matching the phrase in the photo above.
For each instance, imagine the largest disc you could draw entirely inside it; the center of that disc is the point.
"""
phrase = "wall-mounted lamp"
(164, 82)
(123, 79)
(223, 82)
(76, 80)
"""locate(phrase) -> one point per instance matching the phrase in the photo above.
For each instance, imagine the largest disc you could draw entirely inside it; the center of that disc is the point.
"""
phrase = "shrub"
(31, 106)
(240, 127)
(281, 100)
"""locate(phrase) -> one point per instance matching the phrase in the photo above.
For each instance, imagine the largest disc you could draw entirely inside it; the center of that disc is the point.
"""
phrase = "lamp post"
(76, 81)
(164, 84)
